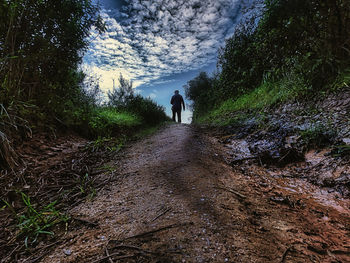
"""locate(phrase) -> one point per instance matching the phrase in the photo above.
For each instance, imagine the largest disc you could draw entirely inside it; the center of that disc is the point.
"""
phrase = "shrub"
(317, 136)
(107, 122)
(149, 111)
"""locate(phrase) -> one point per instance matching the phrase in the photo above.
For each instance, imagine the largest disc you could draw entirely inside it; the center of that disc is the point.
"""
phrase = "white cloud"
(151, 39)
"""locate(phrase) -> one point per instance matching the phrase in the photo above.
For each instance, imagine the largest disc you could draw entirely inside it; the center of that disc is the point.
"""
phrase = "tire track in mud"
(176, 200)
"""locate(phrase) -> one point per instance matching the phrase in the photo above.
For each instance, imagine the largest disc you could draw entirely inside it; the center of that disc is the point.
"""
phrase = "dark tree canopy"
(41, 45)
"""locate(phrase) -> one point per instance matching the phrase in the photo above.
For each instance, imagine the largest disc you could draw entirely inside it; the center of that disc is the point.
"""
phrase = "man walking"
(177, 101)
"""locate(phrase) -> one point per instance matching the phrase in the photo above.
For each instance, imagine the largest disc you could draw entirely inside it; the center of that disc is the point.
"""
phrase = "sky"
(160, 44)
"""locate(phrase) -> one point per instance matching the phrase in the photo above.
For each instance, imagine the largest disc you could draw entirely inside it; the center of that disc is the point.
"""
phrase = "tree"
(200, 91)
(41, 45)
(121, 95)
(306, 39)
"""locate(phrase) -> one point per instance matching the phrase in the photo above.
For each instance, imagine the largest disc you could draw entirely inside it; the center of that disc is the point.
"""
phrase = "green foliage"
(342, 81)
(13, 120)
(149, 111)
(41, 47)
(101, 121)
(306, 39)
(199, 91)
(107, 121)
(121, 96)
(86, 186)
(341, 150)
(311, 36)
(113, 144)
(110, 116)
(317, 136)
(33, 222)
(124, 99)
(268, 94)
(241, 64)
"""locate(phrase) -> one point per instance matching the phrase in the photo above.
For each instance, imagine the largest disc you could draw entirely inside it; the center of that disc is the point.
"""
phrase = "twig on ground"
(50, 245)
(231, 191)
(109, 256)
(284, 255)
(85, 221)
(9, 255)
(154, 231)
(37, 258)
(226, 207)
(161, 214)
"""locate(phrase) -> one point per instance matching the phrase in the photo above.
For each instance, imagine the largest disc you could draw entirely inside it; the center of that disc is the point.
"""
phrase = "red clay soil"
(176, 200)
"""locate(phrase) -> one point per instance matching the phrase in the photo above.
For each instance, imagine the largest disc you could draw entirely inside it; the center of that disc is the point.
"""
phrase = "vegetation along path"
(177, 200)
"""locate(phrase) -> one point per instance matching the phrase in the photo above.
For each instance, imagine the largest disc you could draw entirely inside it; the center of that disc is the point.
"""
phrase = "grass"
(317, 136)
(111, 144)
(33, 223)
(86, 186)
(341, 150)
(114, 117)
(107, 122)
(343, 80)
(268, 94)
(110, 117)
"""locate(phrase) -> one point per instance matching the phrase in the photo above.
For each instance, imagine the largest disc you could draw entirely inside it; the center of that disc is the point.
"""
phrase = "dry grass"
(8, 156)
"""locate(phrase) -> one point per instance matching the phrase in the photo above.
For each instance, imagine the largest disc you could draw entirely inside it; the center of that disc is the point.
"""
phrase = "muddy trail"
(176, 196)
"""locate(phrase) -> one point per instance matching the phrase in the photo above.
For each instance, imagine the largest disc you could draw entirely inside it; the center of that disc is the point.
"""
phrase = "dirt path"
(176, 200)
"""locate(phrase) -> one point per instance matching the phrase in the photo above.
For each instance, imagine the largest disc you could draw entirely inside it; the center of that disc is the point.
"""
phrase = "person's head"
(176, 92)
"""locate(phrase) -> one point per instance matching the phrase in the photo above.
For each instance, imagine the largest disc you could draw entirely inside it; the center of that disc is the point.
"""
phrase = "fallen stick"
(226, 207)
(85, 221)
(154, 231)
(109, 256)
(13, 251)
(231, 191)
(227, 136)
(284, 255)
(43, 254)
(161, 214)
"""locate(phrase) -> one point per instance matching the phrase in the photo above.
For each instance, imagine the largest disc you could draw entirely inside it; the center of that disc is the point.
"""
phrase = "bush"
(123, 98)
(200, 91)
(107, 122)
(149, 111)
(317, 136)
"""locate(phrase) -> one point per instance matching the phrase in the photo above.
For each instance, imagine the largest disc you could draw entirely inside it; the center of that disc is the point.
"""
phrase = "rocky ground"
(183, 195)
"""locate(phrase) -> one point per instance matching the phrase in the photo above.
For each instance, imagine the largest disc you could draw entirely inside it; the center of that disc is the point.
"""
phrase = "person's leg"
(179, 116)
(174, 115)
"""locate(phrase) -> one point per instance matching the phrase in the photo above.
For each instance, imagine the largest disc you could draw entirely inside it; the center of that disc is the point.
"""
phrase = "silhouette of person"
(177, 101)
